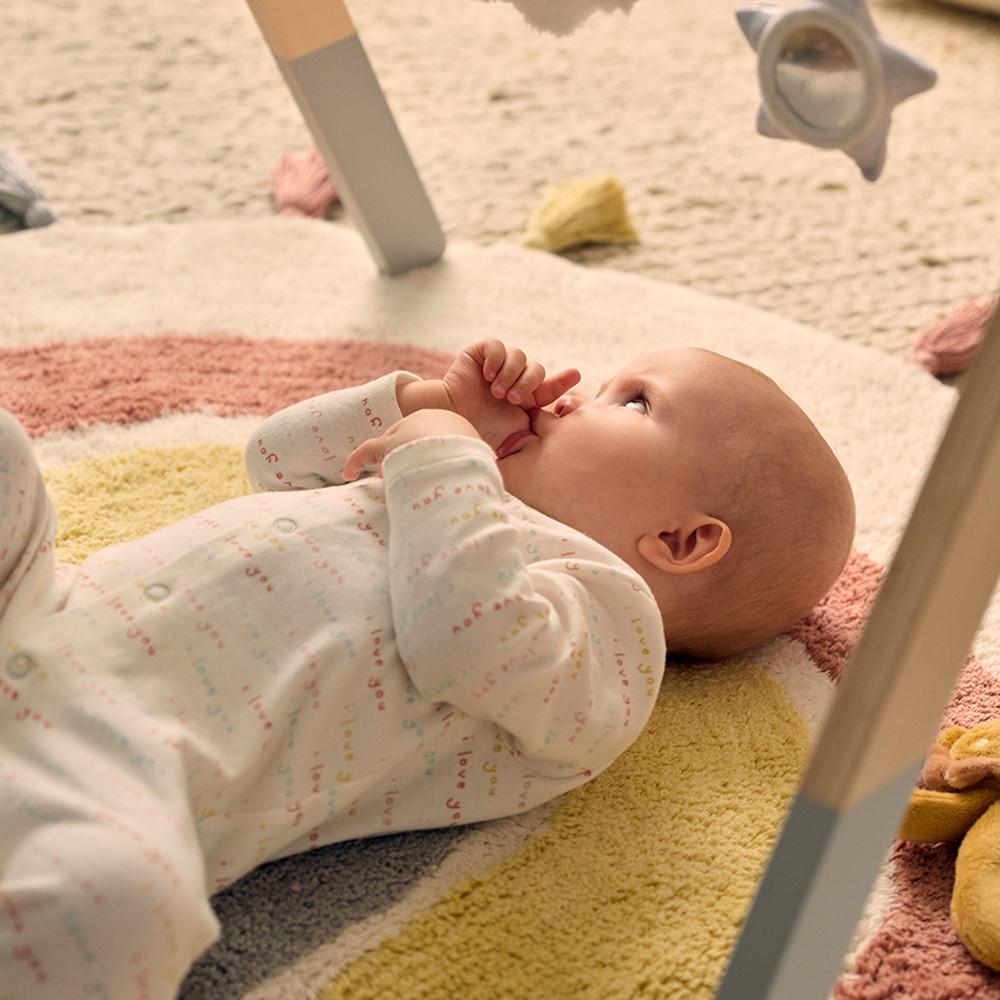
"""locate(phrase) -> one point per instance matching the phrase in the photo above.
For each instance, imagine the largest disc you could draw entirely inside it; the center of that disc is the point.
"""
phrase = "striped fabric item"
(140, 359)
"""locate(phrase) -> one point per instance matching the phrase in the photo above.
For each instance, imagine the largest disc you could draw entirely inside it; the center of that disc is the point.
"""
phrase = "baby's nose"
(566, 403)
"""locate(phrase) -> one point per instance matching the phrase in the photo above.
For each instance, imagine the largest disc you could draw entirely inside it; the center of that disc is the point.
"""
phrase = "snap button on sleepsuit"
(19, 665)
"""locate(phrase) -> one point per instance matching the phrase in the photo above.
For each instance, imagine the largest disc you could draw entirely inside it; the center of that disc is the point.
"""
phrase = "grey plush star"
(828, 78)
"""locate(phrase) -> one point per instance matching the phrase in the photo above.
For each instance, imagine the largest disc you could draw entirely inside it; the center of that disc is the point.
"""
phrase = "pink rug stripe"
(916, 954)
(833, 627)
(59, 386)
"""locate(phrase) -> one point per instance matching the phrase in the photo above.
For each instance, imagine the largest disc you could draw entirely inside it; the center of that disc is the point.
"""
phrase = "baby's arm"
(304, 446)
(565, 655)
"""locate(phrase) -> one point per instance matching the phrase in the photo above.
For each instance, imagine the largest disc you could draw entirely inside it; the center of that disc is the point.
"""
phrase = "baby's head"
(707, 479)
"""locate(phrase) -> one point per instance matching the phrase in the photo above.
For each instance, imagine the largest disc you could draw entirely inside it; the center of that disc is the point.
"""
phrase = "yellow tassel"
(582, 210)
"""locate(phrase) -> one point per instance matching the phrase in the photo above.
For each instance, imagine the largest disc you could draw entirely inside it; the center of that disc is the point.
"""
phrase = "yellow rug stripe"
(614, 898)
(110, 499)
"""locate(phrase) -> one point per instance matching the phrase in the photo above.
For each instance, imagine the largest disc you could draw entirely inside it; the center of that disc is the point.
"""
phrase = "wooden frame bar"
(885, 714)
(320, 56)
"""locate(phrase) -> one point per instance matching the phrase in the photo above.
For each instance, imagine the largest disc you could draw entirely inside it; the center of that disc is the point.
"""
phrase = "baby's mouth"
(510, 443)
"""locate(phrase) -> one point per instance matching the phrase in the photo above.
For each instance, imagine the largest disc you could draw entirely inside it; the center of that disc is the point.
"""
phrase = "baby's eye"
(640, 399)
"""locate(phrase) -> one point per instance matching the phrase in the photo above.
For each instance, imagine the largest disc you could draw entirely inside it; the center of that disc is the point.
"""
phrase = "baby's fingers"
(521, 392)
(554, 386)
(510, 371)
(494, 355)
(364, 456)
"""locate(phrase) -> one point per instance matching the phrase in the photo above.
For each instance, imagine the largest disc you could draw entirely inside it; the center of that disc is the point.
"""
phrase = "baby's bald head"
(773, 479)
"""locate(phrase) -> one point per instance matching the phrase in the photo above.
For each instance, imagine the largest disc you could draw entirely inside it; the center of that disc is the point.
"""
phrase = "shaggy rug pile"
(174, 111)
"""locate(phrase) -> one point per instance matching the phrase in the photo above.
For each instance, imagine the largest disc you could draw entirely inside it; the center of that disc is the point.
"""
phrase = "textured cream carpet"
(173, 110)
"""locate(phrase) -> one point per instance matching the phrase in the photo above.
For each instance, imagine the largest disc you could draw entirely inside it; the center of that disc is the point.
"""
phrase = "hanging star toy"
(828, 78)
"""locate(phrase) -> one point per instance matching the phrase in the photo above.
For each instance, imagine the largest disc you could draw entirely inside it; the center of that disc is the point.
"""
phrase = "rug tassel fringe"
(950, 345)
(303, 187)
(582, 210)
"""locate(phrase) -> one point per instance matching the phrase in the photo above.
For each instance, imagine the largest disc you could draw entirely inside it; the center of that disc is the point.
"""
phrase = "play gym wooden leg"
(318, 51)
(885, 714)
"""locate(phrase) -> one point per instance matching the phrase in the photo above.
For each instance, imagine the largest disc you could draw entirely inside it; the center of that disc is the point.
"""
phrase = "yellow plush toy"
(962, 799)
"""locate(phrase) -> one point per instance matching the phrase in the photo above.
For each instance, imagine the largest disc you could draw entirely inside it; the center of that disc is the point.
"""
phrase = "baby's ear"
(694, 546)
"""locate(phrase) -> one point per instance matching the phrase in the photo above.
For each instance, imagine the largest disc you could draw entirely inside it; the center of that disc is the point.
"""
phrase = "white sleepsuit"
(288, 669)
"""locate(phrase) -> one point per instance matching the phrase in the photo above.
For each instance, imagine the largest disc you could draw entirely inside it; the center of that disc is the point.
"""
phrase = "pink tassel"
(948, 347)
(303, 187)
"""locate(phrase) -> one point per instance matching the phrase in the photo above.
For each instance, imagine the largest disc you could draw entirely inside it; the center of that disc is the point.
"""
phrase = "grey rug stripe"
(286, 909)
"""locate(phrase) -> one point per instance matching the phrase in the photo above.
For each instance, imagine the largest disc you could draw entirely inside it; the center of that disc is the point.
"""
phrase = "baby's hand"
(509, 373)
(493, 385)
(421, 423)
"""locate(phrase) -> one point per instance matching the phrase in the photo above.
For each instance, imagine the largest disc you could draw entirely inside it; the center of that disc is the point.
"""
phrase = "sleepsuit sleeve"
(565, 655)
(303, 446)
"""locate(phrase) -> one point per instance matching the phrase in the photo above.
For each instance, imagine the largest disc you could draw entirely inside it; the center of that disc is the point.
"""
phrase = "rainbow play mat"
(141, 357)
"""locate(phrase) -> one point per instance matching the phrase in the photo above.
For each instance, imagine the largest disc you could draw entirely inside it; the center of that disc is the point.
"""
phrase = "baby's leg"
(28, 585)
(92, 913)
(102, 879)
(95, 901)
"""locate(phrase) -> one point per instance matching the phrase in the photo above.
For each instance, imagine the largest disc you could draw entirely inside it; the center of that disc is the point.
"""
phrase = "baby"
(475, 630)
